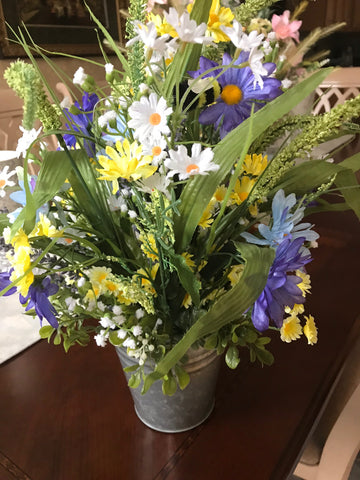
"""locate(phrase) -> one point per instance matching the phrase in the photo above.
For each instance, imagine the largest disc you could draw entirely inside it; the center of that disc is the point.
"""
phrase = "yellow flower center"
(154, 119)
(192, 168)
(243, 195)
(156, 151)
(213, 18)
(231, 94)
(2, 183)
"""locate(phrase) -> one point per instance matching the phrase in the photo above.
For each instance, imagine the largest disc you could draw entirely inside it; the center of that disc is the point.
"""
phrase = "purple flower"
(239, 92)
(281, 289)
(5, 282)
(38, 298)
(81, 122)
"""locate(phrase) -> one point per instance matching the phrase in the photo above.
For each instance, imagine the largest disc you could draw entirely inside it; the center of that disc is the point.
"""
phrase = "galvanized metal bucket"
(187, 408)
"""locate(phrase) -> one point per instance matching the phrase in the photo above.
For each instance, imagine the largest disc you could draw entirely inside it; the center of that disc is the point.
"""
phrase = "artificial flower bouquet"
(160, 217)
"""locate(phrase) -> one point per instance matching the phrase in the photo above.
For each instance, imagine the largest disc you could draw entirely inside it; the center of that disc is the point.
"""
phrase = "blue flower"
(116, 133)
(281, 289)
(283, 223)
(5, 282)
(81, 122)
(38, 298)
(239, 92)
(20, 197)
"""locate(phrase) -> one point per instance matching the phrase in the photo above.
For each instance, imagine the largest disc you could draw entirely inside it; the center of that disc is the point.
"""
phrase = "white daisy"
(235, 33)
(156, 182)
(147, 34)
(257, 67)
(149, 118)
(188, 30)
(200, 162)
(253, 40)
(26, 140)
(157, 149)
(4, 179)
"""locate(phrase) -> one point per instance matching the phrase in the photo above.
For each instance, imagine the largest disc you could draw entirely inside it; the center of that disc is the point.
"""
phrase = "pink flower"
(283, 28)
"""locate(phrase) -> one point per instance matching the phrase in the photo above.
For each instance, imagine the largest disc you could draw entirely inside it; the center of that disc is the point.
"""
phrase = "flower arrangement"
(160, 216)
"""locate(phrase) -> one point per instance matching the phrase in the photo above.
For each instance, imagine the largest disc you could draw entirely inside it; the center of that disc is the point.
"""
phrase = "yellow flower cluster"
(252, 167)
(21, 259)
(291, 328)
(103, 282)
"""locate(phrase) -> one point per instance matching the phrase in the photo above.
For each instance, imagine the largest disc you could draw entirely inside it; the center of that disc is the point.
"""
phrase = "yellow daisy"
(189, 261)
(45, 228)
(310, 330)
(218, 17)
(21, 262)
(254, 164)
(291, 329)
(243, 187)
(297, 309)
(206, 218)
(305, 285)
(162, 26)
(126, 161)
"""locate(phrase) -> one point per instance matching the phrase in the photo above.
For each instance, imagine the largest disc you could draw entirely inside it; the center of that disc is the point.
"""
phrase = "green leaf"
(4, 222)
(53, 173)
(134, 380)
(169, 385)
(57, 339)
(182, 376)
(198, 192)
(114, 339)
(232, 357)
(186, 276)
(264, 356)
(343, 180)
(67, 344)
(227, 309)
(131, 369)
(46, 331)
(211, 342)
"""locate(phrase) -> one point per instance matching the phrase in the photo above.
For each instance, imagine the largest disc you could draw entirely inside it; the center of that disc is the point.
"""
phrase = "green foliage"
(169, 385)
(182, 376)
(250, 8)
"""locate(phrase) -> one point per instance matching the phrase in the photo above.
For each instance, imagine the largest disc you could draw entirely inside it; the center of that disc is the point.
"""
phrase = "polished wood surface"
(70, 416)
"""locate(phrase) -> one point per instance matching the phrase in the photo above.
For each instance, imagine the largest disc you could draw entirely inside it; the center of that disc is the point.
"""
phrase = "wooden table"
(70, 416)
